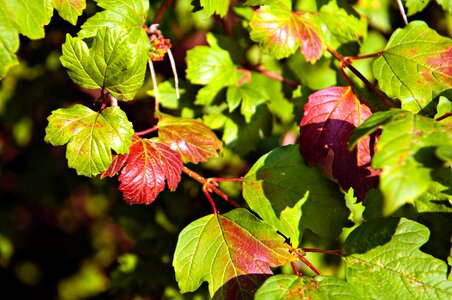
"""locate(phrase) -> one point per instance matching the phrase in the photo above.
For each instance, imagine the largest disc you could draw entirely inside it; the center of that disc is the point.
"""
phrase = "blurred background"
(68, 237)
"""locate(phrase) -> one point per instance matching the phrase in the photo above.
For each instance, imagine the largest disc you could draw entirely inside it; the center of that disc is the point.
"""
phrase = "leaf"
(144, 170)
(331, 115)
(211, 7)
(130, 15)
(210, 66)
(446, 5)
(404, 176)
(280, 32)
(192, 139)
(415, 66)
(20, 17)
(90, 136)
(293, 197)
(69, 10)
(167, 94)
(383, 258)
(230, 248)
(250, 95)
(319, 287)
(112, 62)
(341, 27)
(415, 6)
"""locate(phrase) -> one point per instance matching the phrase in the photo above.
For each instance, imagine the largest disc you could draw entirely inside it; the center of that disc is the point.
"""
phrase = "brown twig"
(210, 186)
(274, 75)
(162, 11)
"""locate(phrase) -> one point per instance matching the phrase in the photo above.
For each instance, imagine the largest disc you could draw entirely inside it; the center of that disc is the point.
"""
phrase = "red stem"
(334, 252)
(207, 194)
(274, 75)
(207, 183)
(445, 116)
(144, 132)
(295, 269)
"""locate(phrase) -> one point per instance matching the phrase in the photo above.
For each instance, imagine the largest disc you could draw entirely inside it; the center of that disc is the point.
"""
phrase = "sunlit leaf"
(167, 94)
(331, 115)
(404, 176)
(292, 287)
(383, 258)
(90, 136)
(69, 10)
(144, 170)
(20, 16)
(415, 6)
(292, 196)
(112, 62)
(415, 66)
(130, 15)
(210, 66)
(211, 7)
(280, 32)
(235, 249)
(191, 138)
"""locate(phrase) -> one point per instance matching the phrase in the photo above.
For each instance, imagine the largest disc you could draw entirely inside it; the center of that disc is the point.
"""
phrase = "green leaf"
(249, 95)
(69, 10)
(226, 249)
(383, 258)
(130, 15)
(291, 196)
(399, 155)
(446, 4)
(415, 6)
(341, 27)
(415, 66)
(444, 109)
(112, 62)
(90, 136)
(320, 287)
(211, 7)
(167, 94)
(280, 32)
(20, 17)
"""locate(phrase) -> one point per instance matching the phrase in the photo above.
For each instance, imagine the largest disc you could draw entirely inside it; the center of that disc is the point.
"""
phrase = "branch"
(274, 75)
(162, 11)
(210, 185)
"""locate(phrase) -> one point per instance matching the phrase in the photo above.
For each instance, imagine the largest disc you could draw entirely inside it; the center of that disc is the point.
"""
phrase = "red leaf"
(191, 138)
(331, 115)
(144, 170)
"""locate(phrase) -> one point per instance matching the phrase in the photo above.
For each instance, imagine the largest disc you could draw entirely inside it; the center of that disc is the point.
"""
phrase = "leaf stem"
(154, 84)
(144, 132)
(295, 269)
(173, 67)
(300, 254)
(334, 252)
(402, 11)
(347, 63)
(274, 75)
(162, 11)
(445, 116)
(210, 185)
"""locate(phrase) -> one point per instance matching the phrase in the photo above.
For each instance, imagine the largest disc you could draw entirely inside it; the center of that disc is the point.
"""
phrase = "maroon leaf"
(330, 117)
(191, 138)
(144, 170)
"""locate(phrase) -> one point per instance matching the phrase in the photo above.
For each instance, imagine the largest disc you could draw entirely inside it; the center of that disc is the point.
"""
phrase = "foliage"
(369, 173)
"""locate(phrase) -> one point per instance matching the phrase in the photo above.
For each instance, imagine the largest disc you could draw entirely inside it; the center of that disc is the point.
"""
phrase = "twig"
(162, 11)
(210, 186)
(275, 76)
(301, 256)
(445, 116)
(334, 252)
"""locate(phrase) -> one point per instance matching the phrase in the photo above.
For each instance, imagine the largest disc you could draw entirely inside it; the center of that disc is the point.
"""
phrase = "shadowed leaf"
(331, 115)
(220, 248)
(144, 170)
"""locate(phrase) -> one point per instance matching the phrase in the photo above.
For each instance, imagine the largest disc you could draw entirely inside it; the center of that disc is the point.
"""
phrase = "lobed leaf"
(90, 136)
(383, 258)
(144, 170)
(331, 115)
(402, 151)
(192, 139)
(280, 32)
(112, 62)
(415, 66)
(211, 7)
(130, 15)
(293, 197)
(320, 287)
(232, 252)
(20, 17)
(69, 10)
